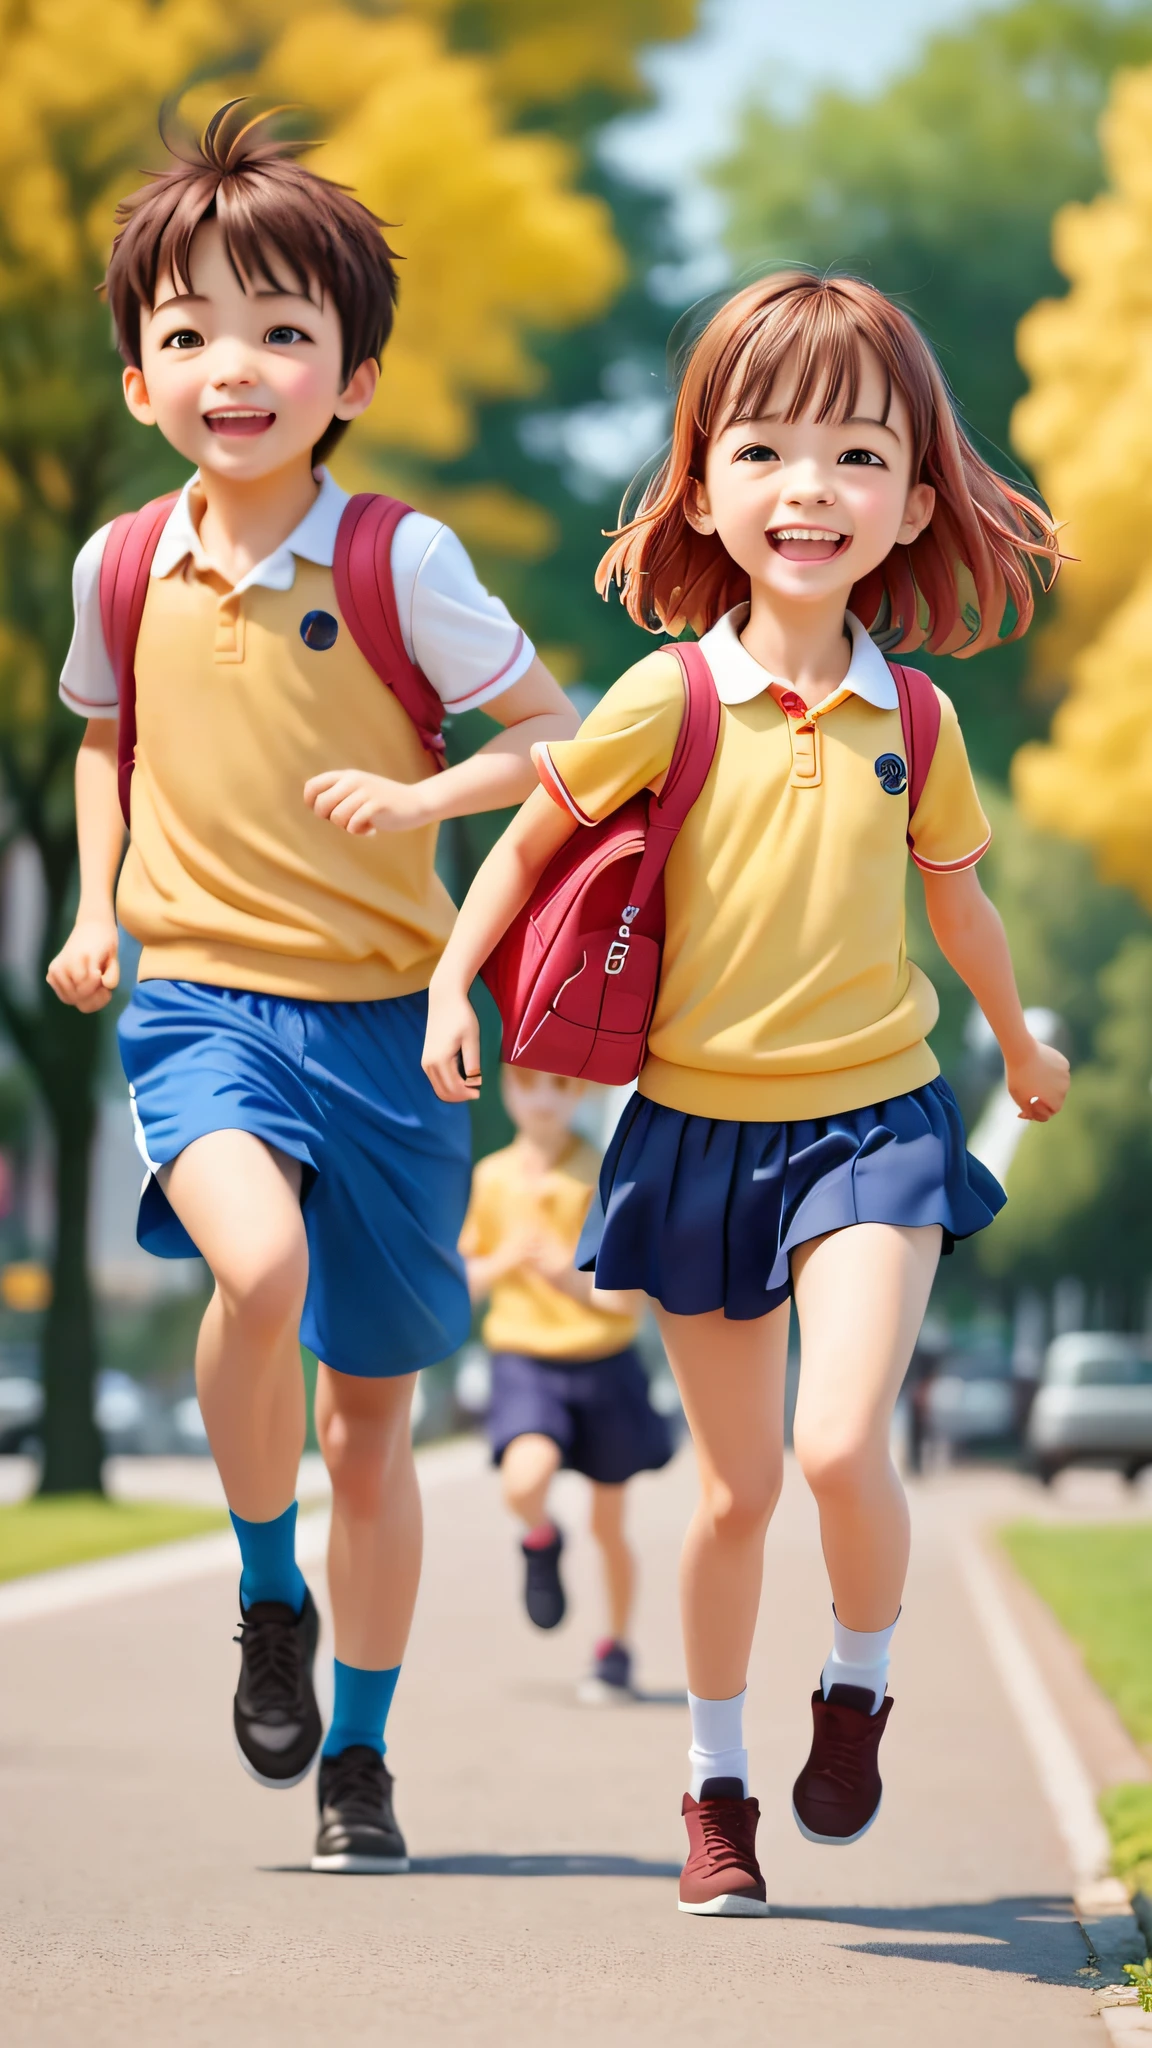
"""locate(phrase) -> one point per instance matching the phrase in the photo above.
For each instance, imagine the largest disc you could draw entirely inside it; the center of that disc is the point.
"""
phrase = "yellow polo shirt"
(786, 991)
(527, 1314)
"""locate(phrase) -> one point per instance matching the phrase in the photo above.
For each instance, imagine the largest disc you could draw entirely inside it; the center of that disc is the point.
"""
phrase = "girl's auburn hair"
(974, 567)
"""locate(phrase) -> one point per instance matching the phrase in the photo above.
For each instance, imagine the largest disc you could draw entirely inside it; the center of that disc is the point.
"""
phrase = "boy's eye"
(185, 337)
(283, 337)
(757, 452)
(863, 456)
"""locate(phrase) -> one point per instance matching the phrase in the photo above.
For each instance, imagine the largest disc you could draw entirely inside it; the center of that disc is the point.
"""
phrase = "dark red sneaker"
(722, 1875)
(837, 1796)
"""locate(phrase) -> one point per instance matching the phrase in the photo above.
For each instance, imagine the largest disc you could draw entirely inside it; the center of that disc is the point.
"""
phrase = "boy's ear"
(359, 391)
(136, 397)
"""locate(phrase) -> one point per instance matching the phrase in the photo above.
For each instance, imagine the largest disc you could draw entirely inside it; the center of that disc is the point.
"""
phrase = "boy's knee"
(263, 1290)
(362, 1450)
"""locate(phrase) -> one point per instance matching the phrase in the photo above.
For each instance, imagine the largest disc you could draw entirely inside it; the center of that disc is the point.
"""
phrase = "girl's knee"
(262, 1292)
(839, 1462)
(363, 1440)
(741, 1508)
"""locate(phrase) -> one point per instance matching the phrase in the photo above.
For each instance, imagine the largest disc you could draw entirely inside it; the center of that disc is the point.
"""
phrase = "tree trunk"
(73, 1452)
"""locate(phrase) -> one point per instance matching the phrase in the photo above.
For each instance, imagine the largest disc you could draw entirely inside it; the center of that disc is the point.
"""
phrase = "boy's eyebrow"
(202, 298)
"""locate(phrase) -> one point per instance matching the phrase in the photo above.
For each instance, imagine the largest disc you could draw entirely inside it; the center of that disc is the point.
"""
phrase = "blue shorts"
(339, 1087)
(703, 1213)
(597, 1412)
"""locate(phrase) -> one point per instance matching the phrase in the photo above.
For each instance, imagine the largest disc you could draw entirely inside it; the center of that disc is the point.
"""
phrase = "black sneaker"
(610, 1679)
(275, 1715)
(543, 1592)
(358, 1831)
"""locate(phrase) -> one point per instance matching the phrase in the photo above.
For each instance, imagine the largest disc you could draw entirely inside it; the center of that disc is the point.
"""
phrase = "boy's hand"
(1038, 1082)
(87, 969)
(451, 1056)
(365, 804)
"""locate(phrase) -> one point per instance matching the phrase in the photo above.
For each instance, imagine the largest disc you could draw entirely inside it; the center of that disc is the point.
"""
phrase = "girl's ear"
(697, 510)
(918, 509)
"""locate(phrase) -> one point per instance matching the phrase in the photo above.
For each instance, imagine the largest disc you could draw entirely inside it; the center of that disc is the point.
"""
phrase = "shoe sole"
(728, 1906)
(276, 1784)
(593, 1692)
(361, 1866)
(834, 1841)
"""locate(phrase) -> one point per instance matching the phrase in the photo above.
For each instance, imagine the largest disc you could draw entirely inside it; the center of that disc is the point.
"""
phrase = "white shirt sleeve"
(87, 683)
(465, 640)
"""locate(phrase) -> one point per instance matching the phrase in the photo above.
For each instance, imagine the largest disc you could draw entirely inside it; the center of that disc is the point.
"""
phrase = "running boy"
(567, 1386)
(273, 1040)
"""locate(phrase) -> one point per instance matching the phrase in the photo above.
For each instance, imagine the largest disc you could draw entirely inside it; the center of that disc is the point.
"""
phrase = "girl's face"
(811, 507)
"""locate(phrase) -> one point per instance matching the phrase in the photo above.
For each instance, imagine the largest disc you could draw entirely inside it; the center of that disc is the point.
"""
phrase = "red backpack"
(361, 570)
(576, 975)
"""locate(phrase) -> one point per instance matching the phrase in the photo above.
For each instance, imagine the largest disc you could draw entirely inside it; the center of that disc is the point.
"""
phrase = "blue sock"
(268, 1557)
(360, 1709)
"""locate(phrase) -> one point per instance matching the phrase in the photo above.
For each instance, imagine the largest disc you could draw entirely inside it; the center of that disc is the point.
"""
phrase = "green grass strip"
(1127, 1814)
(1098, 1582)
(40, 1535)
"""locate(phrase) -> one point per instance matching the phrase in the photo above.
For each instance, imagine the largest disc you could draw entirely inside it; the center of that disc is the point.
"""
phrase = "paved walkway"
(151, 1894)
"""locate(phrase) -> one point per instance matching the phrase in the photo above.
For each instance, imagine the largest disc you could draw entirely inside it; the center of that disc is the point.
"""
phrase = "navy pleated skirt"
(702, 1213)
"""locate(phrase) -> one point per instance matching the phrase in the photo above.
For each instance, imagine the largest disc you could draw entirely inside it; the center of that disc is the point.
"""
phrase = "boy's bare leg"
(607, 1521)
(526, 1472)
(240, 1203)
(364, 1429)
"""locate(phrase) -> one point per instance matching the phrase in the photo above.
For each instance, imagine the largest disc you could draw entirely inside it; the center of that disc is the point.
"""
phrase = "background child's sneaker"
(543, 1592)
(610, 1679)
(837, 1796)
(722, 1876)
(275, 1715)
(358, 1832)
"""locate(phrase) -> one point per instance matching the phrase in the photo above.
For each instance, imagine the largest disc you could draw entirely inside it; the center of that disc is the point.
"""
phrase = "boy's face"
(242, 382)
(540, 1105)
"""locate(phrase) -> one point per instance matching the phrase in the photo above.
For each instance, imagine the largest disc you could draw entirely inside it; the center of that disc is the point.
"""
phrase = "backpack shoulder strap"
(362, 572)
(124, 571)
(688, 770)
(920, 719)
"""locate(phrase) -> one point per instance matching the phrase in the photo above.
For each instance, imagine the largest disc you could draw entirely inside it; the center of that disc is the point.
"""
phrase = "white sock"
(717, 1741)
(859, 1657)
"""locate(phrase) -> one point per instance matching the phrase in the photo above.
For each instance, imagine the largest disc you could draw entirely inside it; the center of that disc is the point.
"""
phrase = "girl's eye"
(185, 337)
(758, 452)
(283, 337)
(863, 456)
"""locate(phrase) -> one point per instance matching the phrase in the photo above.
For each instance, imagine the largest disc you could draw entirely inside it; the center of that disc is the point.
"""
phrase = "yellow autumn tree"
(1086, 427)
(426, 108)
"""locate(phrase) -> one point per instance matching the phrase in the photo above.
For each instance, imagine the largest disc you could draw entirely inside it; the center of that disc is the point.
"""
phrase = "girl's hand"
(86, 969)
(1038, 1082)
(366, 804)
(452, 1046)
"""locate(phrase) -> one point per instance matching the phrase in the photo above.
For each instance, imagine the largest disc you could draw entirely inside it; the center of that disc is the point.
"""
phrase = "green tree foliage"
(941, 189)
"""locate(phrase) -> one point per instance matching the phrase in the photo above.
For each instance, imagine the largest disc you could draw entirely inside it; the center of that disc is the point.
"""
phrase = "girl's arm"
(969, 933)
(502, 887)
(85, 970)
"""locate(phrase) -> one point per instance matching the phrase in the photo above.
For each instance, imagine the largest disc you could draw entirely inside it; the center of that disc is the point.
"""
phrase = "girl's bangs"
(813, 350)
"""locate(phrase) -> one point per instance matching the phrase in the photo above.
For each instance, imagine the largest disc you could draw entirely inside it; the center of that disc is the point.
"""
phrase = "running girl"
(792, 1135)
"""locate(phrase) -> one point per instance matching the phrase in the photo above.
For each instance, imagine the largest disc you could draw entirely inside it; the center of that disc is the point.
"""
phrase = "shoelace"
(357, 1787)
(840, 1755)
(271, 1664)
(723, 1834)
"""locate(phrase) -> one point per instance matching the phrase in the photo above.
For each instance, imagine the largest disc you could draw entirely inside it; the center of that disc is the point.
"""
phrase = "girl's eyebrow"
(862, 420)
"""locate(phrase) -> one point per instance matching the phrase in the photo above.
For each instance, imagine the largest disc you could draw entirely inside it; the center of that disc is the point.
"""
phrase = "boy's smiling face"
(243, 382)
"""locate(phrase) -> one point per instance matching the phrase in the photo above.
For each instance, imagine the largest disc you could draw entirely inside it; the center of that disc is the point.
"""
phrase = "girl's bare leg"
(526, 1473)
(607, 1520)
(240, 1203)
(364, 1430)
(860, 1295)
(731, 1381)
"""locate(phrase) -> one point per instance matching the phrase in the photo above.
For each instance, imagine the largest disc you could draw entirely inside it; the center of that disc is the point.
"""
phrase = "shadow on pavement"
(1035, 1937)
(510, 1866)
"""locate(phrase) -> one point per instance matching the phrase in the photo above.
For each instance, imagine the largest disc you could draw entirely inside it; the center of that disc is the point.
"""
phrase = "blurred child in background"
(567, 1385)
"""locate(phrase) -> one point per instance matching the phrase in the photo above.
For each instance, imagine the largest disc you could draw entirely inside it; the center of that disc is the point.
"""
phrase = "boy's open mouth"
(240, 421)
(807, 543)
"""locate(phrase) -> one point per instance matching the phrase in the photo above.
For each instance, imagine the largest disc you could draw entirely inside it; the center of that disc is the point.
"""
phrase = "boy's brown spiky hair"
(278, 220)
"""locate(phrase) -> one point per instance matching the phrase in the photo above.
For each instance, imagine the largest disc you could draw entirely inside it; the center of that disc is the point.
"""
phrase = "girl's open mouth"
(240, 423)
(807, 543)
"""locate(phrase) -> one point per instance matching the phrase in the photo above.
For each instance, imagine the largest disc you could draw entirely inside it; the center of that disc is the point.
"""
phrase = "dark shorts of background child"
(596, 1411)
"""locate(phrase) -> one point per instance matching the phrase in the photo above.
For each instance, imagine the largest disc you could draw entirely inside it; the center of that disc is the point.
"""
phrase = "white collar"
(739, 676)
(314, 540)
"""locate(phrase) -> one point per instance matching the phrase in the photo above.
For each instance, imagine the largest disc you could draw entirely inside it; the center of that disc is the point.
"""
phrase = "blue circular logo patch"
(891, 774)
(319, 630)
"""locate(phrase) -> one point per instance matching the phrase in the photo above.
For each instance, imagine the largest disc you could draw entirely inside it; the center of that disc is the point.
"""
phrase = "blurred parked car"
(964, 1397)
(1094, 1404)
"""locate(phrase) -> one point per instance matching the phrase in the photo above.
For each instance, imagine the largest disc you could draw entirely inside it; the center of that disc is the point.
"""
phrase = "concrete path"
(151, 1894)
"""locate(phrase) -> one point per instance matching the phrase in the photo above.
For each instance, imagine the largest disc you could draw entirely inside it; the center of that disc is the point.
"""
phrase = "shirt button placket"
(229, 629)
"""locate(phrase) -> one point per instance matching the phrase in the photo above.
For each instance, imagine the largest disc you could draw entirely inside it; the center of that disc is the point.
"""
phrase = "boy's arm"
(498, 775)
(969, 933)
(85, 970)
